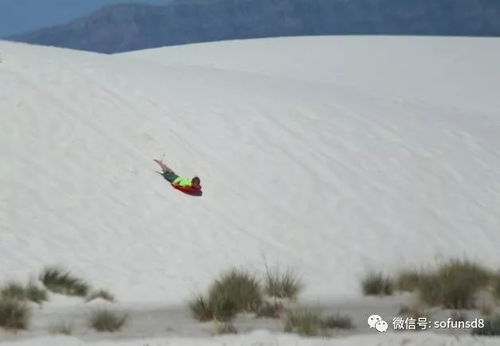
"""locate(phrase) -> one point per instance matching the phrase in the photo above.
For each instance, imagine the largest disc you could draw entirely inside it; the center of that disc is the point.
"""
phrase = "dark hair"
(195, 179)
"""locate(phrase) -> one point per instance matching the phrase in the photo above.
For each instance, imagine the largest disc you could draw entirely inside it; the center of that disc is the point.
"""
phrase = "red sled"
(189, 190)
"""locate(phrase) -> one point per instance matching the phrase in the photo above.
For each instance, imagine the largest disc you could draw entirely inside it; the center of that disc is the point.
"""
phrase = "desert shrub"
(60, 281)
(16, 291)
(454, 284)
(337, 322)
(200, 309)
(270, 310)
(377, 284)
(103, 294)
(408, 280)
(13, 291)
(14, 314)
(63, 329)
(238, 289)
(107, 321)
(491, 327)
(280, 284)
(304, 322)
(222, 305)
(35, 293)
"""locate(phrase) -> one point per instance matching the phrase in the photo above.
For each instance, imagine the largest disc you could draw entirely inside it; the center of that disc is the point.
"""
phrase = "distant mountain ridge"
(127, 27)
(20, 16)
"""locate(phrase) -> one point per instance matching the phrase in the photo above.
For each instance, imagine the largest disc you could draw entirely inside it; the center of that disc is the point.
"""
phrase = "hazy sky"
(18, 16)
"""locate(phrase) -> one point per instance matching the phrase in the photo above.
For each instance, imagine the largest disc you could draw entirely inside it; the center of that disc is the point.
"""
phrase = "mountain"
(120, 28)
(17, 16)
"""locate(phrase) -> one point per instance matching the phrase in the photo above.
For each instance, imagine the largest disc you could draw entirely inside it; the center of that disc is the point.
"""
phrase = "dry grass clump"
(304, 322)
(60, 281)
(240, 287)
(200, 309)
(13, 291)
(35, 293)
(376, 283)
(235, 291)
(282, 284)
(454, 284)
(409, 280)
(14, 314)
(16, 291)
(223, 306)
(107, 321)
(238, 290)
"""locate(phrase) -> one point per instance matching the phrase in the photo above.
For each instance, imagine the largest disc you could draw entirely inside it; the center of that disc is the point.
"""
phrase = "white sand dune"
(329, 155)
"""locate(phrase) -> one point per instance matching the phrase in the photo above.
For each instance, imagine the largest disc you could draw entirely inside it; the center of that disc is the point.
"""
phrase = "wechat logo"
(375, 321)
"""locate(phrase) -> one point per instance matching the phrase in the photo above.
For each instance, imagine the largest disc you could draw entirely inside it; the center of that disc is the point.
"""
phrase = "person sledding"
(190, 186)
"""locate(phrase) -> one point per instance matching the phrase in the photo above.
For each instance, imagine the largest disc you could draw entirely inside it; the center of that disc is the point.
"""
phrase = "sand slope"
(330, 155)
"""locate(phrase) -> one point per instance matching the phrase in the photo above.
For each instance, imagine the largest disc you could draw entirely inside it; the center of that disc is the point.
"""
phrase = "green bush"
(304, 322)
(200, 309)
(377, 284)
(107, 321)
(337, 322)
(282, 284)
(491, 328)
(60, 281)
(236, 289)
(14, 314)
(13, 291)
(453, 284)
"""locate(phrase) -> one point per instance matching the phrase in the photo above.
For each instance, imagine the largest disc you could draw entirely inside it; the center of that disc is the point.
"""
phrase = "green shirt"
(182, 181)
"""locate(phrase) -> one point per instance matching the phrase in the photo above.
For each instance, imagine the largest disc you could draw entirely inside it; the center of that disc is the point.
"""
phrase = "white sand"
(266, 339)
(330, 155)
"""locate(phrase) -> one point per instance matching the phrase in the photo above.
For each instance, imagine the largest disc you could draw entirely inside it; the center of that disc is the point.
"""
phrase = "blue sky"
(18, 16)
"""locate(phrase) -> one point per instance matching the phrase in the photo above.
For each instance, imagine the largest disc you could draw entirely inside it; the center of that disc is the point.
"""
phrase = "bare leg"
(163, 166)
